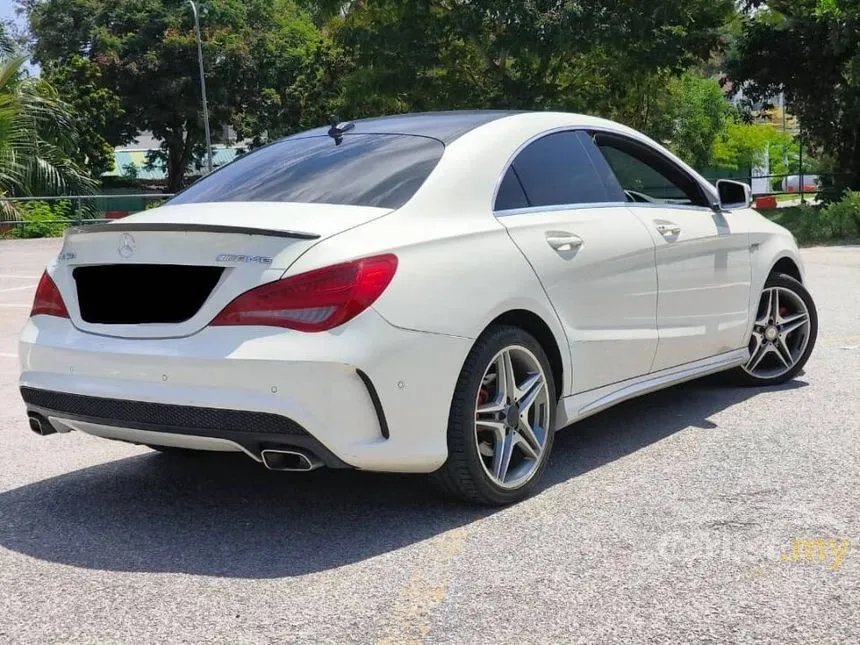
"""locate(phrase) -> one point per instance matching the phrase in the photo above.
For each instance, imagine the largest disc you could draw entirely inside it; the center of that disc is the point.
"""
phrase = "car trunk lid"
(169, 271)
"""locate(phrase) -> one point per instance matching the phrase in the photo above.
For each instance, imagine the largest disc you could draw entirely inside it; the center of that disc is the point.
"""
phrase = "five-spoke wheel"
(783, 333)
(512, 417)
(500, 430)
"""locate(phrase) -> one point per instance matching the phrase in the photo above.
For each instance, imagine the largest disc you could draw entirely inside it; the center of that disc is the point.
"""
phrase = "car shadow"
(224, 515)
(632, 425)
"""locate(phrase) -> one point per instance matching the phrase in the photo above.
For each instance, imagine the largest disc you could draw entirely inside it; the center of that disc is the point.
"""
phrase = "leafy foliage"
(837, 223)
(143, 54)
(43, 219)
(277, 66)
(130, 170)
(744, 145)
(37, 135)
(610, 57)
(844, 215)
(97, 110)
(695, 116)
(809, 49)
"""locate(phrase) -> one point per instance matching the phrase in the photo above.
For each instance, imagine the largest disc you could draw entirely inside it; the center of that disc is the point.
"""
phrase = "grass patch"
(834, 224)
(39, 219)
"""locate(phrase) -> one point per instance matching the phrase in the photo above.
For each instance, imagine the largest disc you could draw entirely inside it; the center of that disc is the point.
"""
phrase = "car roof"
(444, 126)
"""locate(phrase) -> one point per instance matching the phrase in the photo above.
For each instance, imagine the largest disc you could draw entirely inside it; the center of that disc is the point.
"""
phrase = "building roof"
(124, 157)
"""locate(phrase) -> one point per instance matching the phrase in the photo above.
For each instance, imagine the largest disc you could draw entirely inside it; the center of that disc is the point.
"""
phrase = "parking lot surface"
(672, 518)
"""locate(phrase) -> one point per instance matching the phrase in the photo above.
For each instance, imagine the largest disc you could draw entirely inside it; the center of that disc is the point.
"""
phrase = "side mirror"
(733, 194)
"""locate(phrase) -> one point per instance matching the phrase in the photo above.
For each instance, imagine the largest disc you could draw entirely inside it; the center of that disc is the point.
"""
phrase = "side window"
(646, 175)
(511, 194)
(556, 170)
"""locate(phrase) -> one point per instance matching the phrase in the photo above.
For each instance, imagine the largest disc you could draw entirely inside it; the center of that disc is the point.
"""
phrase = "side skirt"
(576, 407)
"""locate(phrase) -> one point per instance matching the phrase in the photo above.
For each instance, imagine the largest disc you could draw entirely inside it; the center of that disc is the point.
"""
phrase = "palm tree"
(36, 132)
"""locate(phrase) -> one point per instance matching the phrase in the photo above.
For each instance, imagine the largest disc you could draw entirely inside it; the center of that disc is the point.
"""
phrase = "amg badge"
(247, 259)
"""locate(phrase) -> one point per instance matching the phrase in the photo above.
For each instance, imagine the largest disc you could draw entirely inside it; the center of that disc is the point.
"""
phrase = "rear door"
(593, 256)
(703, 256)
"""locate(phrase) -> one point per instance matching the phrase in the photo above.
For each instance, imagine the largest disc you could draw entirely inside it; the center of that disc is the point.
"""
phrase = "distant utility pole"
(202, 87)
(782, 107)
(800, 162)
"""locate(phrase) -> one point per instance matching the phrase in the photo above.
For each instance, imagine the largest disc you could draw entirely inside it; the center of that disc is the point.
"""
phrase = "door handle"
(668, 230)
(563, 241)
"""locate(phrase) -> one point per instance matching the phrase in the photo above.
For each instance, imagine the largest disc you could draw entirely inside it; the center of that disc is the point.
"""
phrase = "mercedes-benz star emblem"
(126, 245)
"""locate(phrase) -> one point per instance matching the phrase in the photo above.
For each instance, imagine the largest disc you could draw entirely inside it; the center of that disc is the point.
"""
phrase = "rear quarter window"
(511, 194)
(556, 170)
(379, 170)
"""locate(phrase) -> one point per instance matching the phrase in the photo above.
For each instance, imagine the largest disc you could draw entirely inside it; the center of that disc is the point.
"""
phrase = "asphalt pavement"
(671, 518)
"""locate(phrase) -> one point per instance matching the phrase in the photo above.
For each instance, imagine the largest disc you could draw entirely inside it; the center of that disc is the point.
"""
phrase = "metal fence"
(70, 210)
(80, 210)
(808, 186)
(107, 206)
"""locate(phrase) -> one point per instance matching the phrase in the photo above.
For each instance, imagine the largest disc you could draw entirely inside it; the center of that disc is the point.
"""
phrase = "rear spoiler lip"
(120, 227)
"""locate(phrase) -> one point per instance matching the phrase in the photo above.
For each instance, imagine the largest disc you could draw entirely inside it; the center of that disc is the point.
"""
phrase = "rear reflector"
(315, 301)
(48, 301)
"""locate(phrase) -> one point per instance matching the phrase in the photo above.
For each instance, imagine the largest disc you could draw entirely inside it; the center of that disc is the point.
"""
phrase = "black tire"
(742, 377)
(463, 475)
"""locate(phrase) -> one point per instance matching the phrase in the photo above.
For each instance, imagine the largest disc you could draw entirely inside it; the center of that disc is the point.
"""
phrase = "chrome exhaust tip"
(290, 460)
(40, 425)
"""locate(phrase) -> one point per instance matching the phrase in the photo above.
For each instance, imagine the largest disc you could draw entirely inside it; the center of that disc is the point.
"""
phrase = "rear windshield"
(382, 170)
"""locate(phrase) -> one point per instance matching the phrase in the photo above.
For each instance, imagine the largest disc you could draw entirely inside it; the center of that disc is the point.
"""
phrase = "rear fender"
(454, 281)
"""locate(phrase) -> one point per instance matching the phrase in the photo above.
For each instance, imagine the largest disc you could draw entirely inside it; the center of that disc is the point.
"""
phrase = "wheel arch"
(530, 322)
(787, 266)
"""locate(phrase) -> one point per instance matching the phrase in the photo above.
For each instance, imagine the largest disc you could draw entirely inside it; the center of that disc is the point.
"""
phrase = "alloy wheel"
(780, 333)
(512, 416)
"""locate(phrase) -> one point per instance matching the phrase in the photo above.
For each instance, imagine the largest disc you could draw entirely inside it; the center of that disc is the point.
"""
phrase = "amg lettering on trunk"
(247, 259)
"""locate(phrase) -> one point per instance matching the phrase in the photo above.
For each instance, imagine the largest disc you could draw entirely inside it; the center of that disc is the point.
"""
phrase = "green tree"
(37, 133)
(745, 145)
(607, 56)
(143, 53)
(810, 50)
(97, 110)
(694, 115)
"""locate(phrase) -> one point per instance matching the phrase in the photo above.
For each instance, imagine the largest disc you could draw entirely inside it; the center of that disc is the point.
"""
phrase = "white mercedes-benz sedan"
(430, 293)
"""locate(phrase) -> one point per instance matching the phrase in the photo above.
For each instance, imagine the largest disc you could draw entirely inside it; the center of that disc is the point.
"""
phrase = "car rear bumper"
(180, 426)
(368, 395)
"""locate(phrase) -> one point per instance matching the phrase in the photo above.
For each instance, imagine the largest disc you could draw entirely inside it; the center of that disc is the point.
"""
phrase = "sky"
(7, 9)
(7, 12)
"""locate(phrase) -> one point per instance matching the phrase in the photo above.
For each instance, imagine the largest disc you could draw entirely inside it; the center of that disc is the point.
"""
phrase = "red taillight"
(314, 301)
(48, 301)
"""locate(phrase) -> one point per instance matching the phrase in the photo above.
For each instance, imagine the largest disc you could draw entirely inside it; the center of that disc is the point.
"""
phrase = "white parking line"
(29, 286)
(14, 305)
(5, 355)
(19, 277)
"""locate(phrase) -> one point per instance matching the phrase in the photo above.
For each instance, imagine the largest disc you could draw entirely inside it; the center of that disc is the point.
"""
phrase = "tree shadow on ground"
(224, 515)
